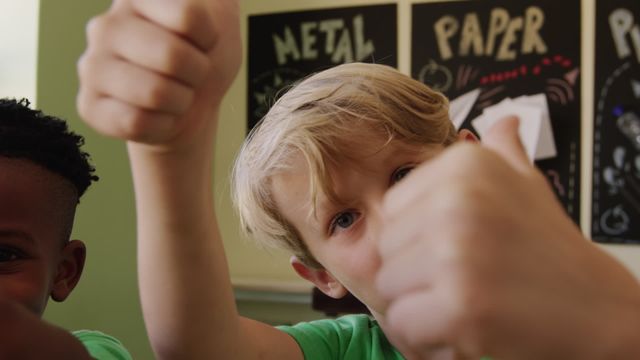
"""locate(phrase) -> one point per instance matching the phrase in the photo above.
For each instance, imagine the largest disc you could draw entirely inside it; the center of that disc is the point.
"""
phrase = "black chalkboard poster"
(504, 49)
(285, 47)
(616, 143)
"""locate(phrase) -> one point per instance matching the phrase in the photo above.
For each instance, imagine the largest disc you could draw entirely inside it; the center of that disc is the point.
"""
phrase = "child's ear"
(467, 135)
(69, 269)
(321, 278)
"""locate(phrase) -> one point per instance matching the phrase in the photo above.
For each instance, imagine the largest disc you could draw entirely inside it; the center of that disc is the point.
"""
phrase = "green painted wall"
(106, 298)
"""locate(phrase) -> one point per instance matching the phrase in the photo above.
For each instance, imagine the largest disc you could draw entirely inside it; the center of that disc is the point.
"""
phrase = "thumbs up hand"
(155, 71)
(479, 258)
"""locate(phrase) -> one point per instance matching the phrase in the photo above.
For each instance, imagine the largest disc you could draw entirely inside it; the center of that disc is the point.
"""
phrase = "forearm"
(25, 336)
(184, 280)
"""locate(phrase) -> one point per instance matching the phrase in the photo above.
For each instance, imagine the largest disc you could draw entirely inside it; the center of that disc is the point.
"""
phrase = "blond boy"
(311, 178)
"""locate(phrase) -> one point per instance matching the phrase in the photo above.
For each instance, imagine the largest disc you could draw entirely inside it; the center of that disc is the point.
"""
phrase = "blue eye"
(400, 173)
(343, 220)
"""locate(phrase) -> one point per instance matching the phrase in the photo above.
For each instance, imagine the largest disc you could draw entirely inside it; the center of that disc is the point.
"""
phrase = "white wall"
(18, 48)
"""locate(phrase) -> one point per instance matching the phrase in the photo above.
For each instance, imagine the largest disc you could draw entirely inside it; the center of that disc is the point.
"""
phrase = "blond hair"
(313, 119)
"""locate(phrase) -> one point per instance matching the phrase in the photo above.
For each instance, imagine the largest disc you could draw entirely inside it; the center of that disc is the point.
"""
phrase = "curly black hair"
(45, 140)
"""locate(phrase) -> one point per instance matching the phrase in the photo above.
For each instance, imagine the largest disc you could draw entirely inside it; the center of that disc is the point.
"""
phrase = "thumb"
(503, 138)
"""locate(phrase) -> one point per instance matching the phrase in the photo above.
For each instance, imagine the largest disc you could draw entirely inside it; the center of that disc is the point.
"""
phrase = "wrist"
(193, 134)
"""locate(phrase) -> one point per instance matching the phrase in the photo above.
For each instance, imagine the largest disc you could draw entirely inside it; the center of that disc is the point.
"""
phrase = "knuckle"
(172, 58)
(190, 21)
(158, 93)
(187, 16)
(133, 125)
(97, 26)
(84, 66)
(92, 27)
(178, 60)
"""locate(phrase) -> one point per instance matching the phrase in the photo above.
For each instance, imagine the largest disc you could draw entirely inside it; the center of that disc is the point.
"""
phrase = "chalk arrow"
(572, 76)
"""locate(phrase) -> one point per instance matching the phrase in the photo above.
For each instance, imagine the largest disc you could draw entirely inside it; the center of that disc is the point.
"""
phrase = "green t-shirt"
(351, 337)
(101, 346)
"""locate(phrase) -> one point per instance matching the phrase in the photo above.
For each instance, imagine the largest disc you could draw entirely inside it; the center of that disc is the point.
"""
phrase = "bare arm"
(168, 65)
(182, 262)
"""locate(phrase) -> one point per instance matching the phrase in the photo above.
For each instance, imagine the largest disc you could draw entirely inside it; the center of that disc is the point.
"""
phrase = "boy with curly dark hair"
(43, 174)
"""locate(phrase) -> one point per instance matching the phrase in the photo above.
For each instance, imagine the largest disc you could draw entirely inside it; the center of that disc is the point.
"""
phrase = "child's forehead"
(363, 150)
(359, 156)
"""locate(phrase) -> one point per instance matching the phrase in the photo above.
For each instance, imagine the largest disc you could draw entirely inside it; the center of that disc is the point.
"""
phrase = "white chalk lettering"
(497, 25)
(341, 43)
(364, 48)
(531, 40)
(621, 22)
(445, 28)
(286, 47)
(308, 40)
(471, 35)
(329, 27)
(506, 52)
(505, 38)
(344, 52)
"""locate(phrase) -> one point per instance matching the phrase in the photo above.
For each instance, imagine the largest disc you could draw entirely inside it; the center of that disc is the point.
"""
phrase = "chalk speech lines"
(465, 75)
(554, 179)
(437, 76)
(597, 136)
(559, 91)
(486, 97)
